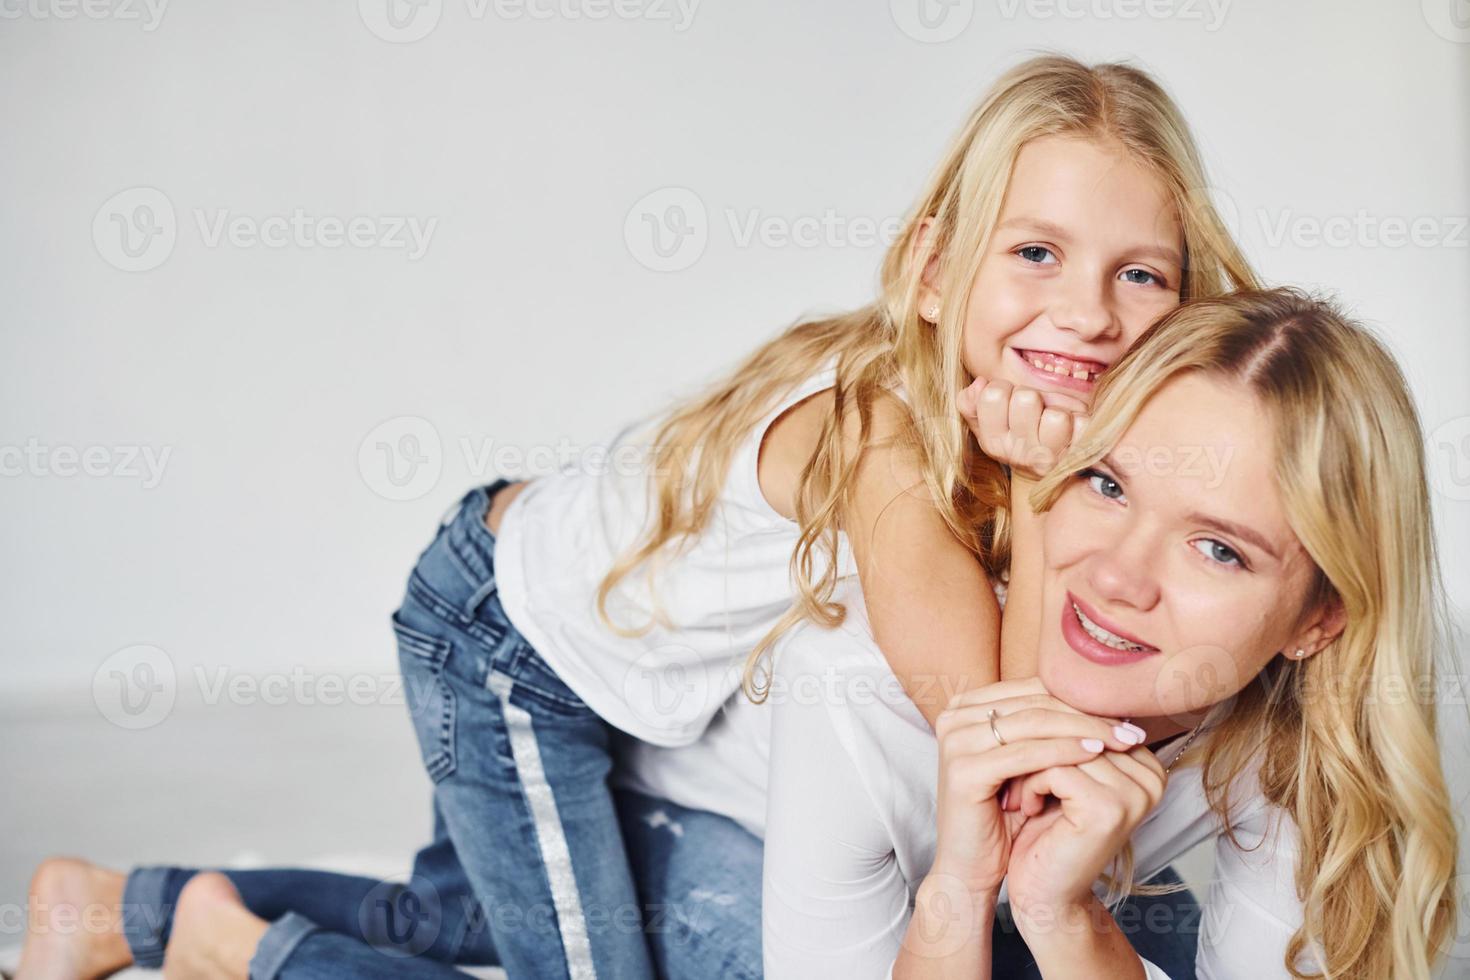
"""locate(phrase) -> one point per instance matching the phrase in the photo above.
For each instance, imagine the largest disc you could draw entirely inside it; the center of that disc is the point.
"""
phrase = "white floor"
(234, 785)
(243, 785)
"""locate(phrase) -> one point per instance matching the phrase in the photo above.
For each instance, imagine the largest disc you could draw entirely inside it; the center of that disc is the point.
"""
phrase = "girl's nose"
(1083, 309)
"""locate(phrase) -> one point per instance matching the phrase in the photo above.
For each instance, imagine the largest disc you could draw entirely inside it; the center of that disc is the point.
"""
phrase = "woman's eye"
(1035, 253)
(1103, 485)
(1142, 277)
(1215, 551)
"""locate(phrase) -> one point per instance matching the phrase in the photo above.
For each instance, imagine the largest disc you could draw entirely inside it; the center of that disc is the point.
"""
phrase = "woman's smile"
(1097, 643)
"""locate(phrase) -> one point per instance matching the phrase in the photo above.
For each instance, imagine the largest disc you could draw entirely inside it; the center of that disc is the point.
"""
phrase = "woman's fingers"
(979, 776)
(1144, 769)
(998, 691)
(1094, 795)
(1136, 777)
(970, 730)
(1007, 706)
(956, 717)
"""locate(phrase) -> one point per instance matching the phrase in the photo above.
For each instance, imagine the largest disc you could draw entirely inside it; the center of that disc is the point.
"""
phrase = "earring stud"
(932, 313)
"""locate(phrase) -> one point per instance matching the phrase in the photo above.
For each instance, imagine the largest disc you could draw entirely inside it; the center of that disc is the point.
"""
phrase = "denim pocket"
(537, 682)
(430, 701)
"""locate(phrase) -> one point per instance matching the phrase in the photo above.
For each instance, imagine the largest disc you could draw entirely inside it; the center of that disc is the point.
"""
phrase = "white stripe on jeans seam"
(549, 834)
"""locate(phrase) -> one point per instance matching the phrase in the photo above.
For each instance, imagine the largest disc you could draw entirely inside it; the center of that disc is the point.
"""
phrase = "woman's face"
(1171, 574)
(1085, 255)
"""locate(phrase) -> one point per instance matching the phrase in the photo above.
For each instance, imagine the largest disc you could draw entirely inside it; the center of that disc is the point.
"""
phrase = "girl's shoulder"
(791, 439)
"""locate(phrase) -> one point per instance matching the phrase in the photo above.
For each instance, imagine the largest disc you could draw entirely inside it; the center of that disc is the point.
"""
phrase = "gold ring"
(993, 730)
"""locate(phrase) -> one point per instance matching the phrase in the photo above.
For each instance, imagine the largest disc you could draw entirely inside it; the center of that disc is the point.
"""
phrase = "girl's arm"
(1027, 431)
(1021, 626)
(933, 612)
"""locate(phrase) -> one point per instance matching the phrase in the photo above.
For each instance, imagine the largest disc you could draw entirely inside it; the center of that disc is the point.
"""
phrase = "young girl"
(1065, 217)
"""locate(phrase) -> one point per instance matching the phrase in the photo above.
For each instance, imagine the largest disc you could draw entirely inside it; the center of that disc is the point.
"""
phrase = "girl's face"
(1171, 575)
(1085, 255)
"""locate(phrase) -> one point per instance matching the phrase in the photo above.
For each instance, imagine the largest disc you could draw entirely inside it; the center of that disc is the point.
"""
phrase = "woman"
(1200, 579)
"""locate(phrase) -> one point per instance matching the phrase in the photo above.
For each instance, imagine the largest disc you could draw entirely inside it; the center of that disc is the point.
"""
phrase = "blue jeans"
(1164, 929)
(526, 833)
(699, 893)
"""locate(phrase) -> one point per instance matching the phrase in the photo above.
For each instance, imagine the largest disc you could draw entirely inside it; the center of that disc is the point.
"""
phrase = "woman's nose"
(1126, 573)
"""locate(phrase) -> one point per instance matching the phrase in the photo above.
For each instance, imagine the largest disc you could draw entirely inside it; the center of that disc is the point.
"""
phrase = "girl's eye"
(1142, 277)
(1035, 253)
(1218, 552)
(1102, 484)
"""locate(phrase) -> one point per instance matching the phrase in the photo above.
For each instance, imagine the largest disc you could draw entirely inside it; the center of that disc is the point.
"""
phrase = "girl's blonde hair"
(886, 344)
(1346, 738)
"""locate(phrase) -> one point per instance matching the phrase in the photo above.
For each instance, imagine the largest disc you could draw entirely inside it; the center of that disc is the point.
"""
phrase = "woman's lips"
(1099, 653)
(1066, 370)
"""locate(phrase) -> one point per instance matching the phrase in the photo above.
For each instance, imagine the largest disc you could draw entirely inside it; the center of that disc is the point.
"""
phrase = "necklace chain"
(1180, 753)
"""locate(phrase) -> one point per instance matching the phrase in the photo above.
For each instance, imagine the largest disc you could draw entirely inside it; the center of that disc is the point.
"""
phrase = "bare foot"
(73, 930)
(214, 935)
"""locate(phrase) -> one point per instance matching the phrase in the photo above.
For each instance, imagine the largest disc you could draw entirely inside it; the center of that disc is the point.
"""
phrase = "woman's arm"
(834, 900)
(1084, 941)
(949, 935)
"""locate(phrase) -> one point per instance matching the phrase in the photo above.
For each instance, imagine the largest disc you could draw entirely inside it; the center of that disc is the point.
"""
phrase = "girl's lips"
(1060, 380)
(1099, 653)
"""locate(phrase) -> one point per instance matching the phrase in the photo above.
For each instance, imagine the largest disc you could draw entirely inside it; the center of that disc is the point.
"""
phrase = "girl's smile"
(1051, 368)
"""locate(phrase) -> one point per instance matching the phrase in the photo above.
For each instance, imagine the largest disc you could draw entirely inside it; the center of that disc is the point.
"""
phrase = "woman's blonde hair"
(886, 344)
(1345, 739)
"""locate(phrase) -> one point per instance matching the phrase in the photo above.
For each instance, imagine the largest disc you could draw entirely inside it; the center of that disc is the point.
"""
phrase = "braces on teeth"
(1101, 635)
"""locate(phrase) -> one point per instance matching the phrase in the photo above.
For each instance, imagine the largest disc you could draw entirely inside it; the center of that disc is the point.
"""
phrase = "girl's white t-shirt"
(838, 772)
(722, 592)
